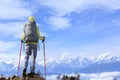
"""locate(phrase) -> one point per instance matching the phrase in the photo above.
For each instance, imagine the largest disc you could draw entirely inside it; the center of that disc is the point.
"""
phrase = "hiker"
(30, 37)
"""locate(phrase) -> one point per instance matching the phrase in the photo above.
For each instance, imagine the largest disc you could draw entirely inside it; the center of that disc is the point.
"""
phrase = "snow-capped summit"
(106, 58)
(69, 64)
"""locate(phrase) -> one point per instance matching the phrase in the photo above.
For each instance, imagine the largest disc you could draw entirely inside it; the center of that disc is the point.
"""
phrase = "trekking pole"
(44, 59)
(19, 58)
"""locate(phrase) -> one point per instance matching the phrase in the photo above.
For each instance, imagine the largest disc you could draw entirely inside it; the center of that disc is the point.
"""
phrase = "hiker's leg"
(27, 54)
(33, 58)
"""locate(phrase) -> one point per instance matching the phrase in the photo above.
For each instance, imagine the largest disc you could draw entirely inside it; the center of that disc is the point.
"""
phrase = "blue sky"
(71, 27)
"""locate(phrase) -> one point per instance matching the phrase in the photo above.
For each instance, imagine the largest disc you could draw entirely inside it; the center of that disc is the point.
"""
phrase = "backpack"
(30, 32)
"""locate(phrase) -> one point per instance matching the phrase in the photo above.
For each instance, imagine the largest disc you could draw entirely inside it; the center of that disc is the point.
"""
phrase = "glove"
(43, 39)
(22, 41)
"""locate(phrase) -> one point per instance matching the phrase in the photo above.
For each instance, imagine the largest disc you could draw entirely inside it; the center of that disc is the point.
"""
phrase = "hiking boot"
(31, 74)
(24, 73)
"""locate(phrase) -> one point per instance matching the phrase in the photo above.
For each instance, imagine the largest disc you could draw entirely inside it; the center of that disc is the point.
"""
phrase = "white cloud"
(117, 21)
(63, 7)
(59, 22)
(6, 46)
(97, 76)
(112, 5)
(101, 76)
(13, 9)
(9, 49)
(52, 77)
(13, 29)
(11, 58)
(9, 52)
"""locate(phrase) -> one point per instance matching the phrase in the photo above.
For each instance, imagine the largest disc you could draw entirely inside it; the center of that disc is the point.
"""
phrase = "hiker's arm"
(38, 33)
(22, 36)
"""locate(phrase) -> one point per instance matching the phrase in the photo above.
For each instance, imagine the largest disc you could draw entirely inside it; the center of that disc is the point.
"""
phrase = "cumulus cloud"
(9, 51)
(13, 9)
(101, 76)
(67, 6)
(11, 58)
(59, 22)
(112, 5)
(13, 29)
(61, 8)
(97, 76)
(6, 46)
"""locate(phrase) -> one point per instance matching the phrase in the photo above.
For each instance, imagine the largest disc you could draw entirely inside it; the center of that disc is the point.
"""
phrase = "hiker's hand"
(43, 39)
(21, 41)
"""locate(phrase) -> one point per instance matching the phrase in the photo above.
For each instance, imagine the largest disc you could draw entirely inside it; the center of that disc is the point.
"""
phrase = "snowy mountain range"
(103, 63)
(69, 64)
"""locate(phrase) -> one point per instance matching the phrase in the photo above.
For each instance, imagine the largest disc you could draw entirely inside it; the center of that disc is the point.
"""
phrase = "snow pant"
(30, 50)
